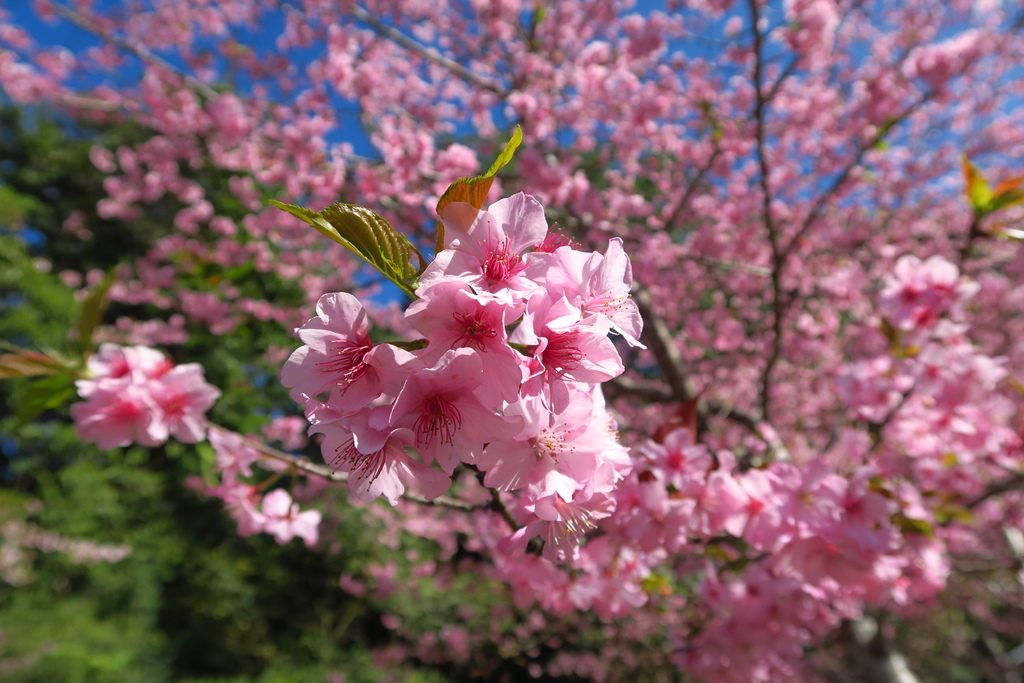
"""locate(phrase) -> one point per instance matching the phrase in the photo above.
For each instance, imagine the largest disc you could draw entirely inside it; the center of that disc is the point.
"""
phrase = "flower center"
(548, 444)
(345, 360)
(439, 419)
(364, 466)
(562, 355)
(501, 263)
(476, 331)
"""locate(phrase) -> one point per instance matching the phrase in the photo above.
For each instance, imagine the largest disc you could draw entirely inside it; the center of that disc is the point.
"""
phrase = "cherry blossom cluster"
(255, 509)
(524, 409)
(934, 387)
(135, 394)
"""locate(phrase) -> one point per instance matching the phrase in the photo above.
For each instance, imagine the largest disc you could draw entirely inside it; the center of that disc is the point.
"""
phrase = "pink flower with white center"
(334, 358)
(284, 521)
(555, 453)
(485, 247)
(182, 398)
(118, 413)
(375, 458)
(562, 523)
(598, 284)
(440, 406)
(564, 349)
(451, 316)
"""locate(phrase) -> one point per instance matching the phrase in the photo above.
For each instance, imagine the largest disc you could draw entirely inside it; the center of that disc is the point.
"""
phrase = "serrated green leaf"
(369, 236)
(474, 190)
(91, 313)
(44, 394)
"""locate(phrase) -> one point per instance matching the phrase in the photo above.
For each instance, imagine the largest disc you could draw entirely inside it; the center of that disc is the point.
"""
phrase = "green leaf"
(414, 345)
(979, 192)
(91, 313)
(656, 583)
(44, 394)
(1006, 198)
(474, 190)
(909, 525)
(949, 512)
(369, 236)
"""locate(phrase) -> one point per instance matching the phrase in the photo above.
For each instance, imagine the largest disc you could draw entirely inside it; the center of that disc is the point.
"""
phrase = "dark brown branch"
(778, 257)
(659, 340)
(1014, 483)
(826, 196)
(326, 472)
(973, 233)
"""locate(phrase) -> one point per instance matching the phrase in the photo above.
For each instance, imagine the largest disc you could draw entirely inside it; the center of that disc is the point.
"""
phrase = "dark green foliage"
(193, 600)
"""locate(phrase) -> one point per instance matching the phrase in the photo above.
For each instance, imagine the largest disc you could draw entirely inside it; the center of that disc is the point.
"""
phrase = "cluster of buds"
(524, 408)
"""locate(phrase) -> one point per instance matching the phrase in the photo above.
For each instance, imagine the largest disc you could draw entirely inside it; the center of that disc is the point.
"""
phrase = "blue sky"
(64, 33)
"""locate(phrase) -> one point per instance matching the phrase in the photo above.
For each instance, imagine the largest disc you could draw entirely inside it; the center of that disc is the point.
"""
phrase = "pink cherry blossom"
(284, 521)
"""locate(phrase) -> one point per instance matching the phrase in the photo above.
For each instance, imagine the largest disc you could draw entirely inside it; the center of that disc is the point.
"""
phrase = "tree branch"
(326, 472)
(145, 54)
(778, 257)
(428, 53)
(659, 339)
(1014, 483)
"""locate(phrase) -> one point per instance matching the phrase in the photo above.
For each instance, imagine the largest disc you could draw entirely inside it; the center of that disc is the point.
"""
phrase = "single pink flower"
(375, 457)
(118, 413)
(334, 358)
(183, 397)
(284, 521)
(440, 406)
(451, 316)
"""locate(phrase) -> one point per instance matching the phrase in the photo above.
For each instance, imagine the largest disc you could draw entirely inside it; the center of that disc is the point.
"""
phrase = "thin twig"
(140, 51)
(691, 189)
(824, 197)
(326, 472)
(428, 53)
(1014, 483)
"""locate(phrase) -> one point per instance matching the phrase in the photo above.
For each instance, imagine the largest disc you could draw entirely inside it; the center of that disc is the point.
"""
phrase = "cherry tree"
(722, 349)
